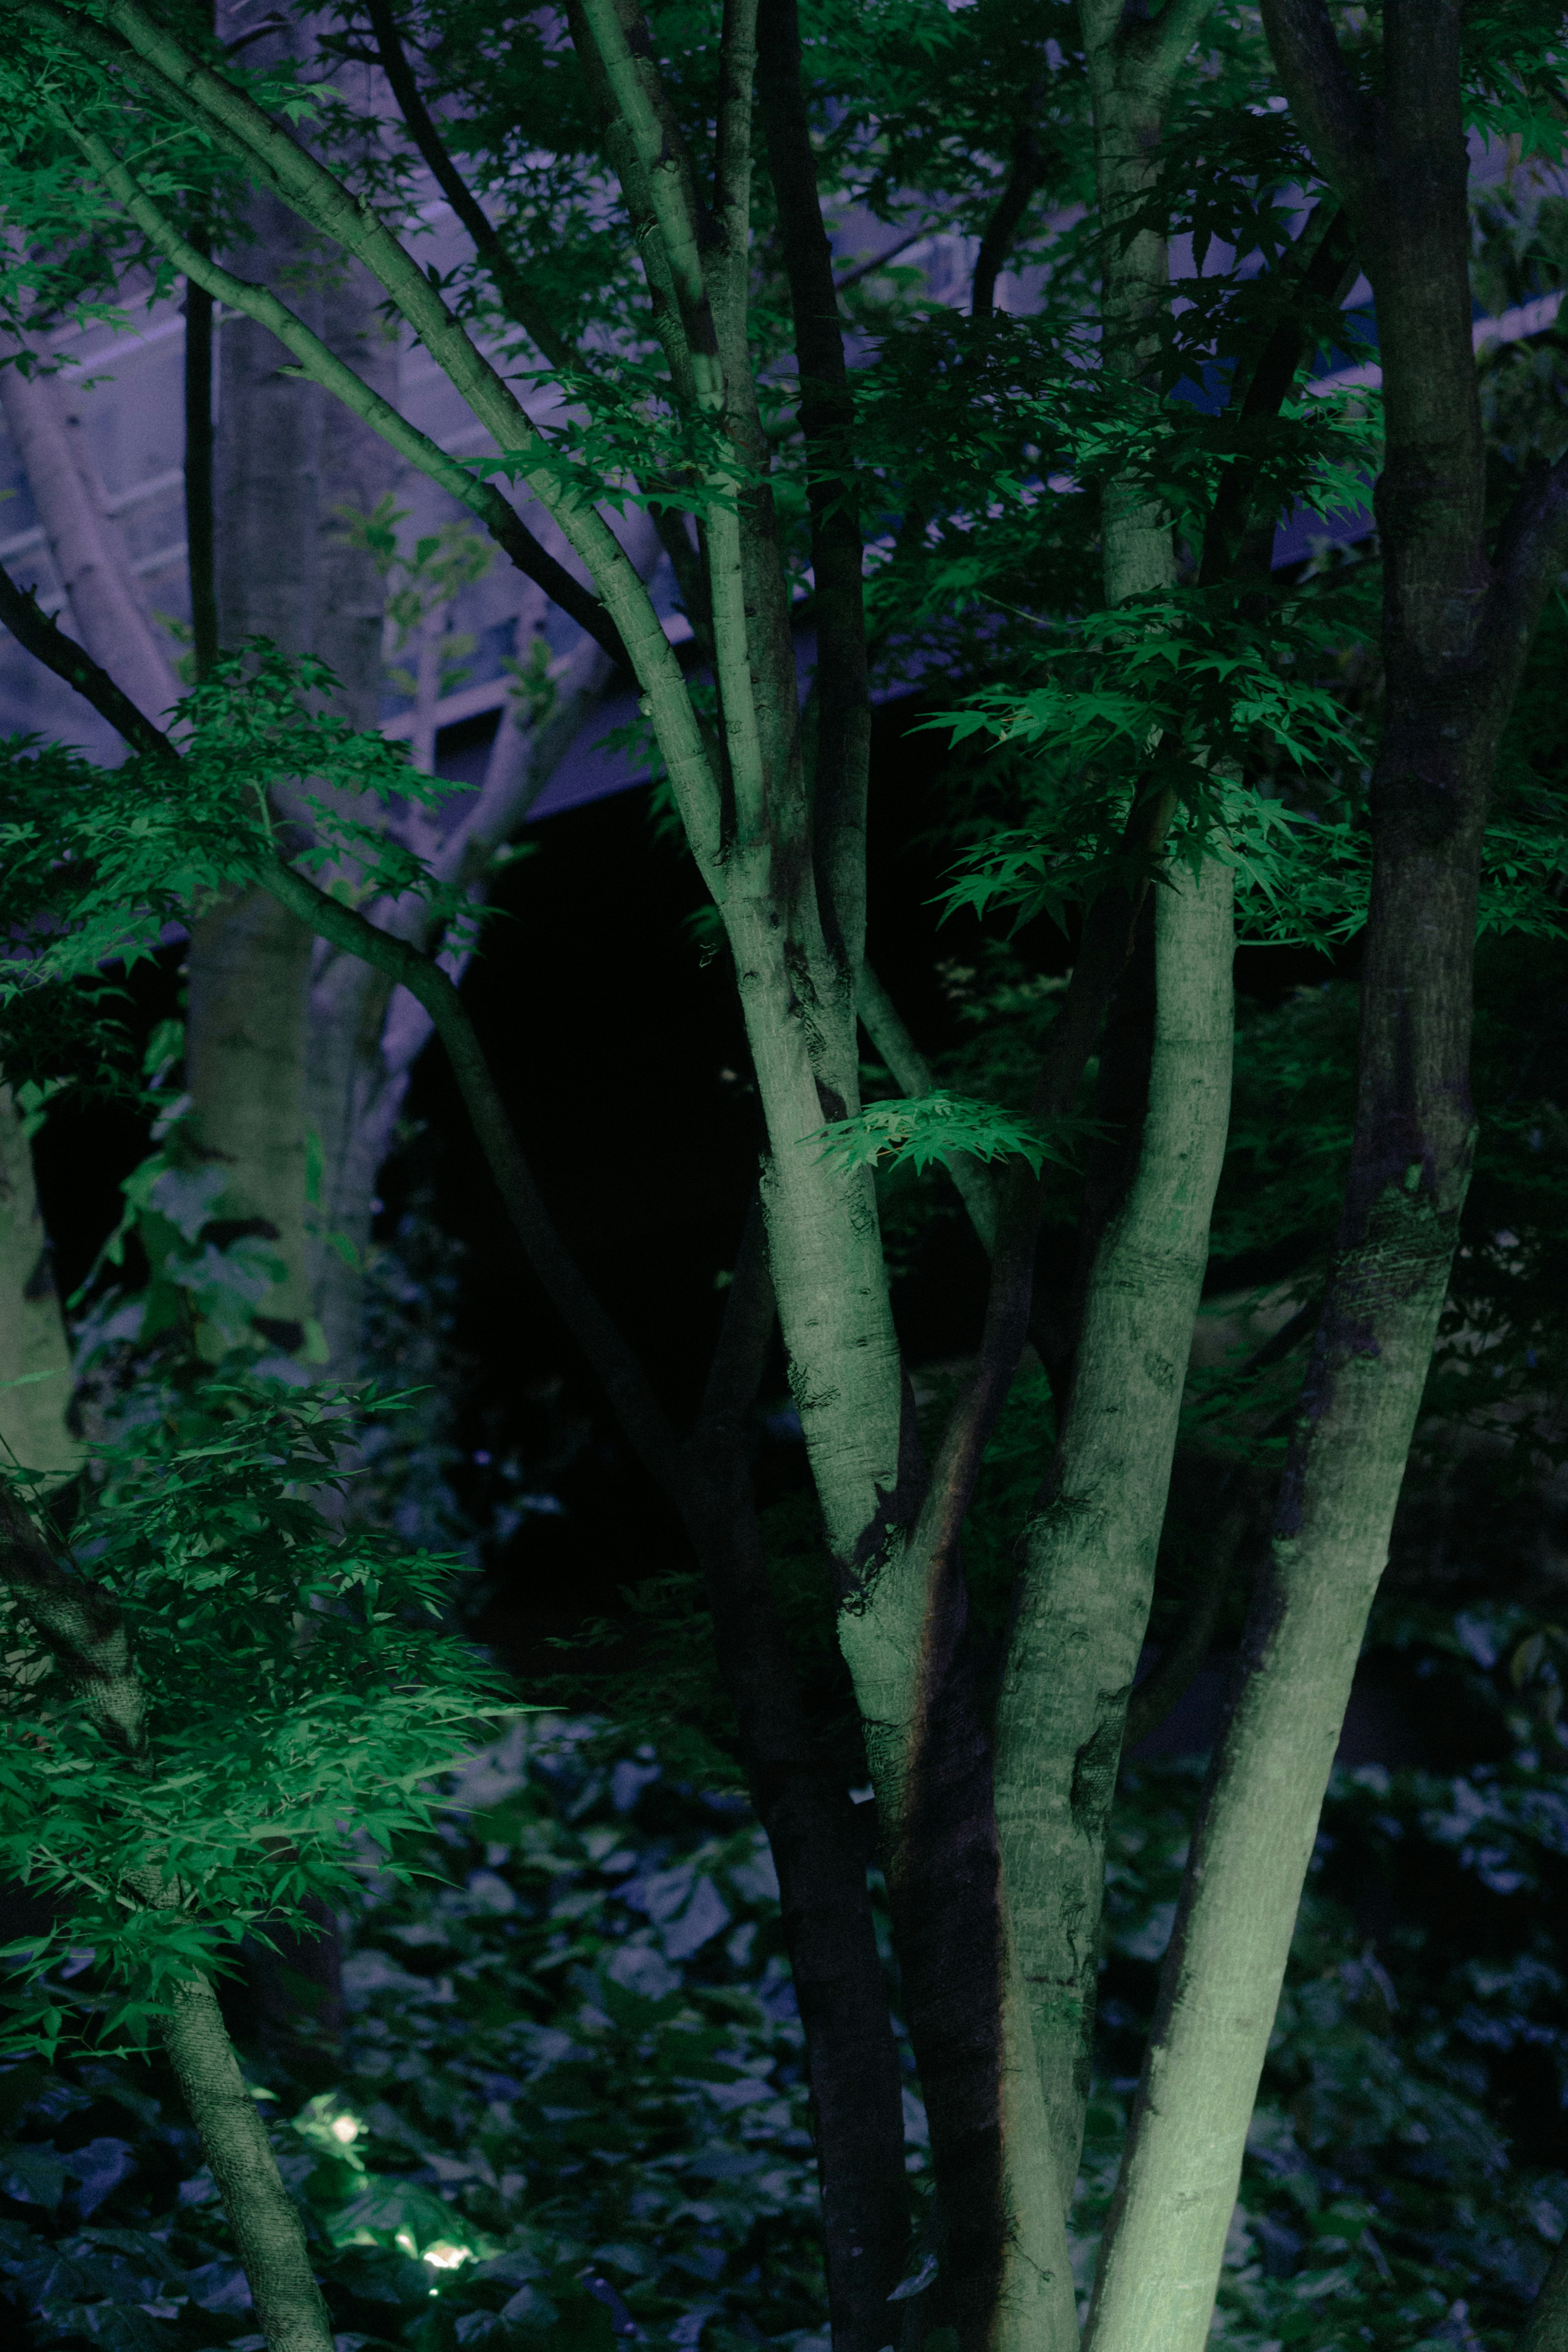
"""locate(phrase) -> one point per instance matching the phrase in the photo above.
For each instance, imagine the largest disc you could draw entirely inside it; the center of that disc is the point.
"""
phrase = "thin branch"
(827, 426)
(879, 260)
(1329, 261)
(1024, 173)
(510, 281)
(1333, 117)
(626, 163)
(32, 627)
(729, 266)
(617, 34)
(490, 246)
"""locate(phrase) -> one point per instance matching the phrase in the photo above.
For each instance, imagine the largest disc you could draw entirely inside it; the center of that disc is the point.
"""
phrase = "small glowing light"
(444, 2257)
(346, 2129)
(405, 2239)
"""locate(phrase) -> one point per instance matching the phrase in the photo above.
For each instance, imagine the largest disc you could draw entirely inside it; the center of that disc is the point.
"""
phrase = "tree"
(1179, 686)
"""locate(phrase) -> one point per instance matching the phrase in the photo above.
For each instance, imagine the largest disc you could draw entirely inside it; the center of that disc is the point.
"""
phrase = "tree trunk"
(1087, 1578)
(1089, 1564)
(1455, 632)
(269, 2236)
(34, 1354)
(249, 960)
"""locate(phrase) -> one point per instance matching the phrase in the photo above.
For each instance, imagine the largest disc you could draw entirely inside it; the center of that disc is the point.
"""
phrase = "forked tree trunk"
(1455, 629)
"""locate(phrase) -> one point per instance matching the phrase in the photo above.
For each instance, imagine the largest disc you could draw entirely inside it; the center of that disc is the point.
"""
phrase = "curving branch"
(1025, 171)
(974, 1182)
(1337, 121)
(1326, 263)
(489, 244)
(32, 627)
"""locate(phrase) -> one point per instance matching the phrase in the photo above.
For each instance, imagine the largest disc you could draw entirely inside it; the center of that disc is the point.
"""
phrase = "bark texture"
(269, 2236)
(82, 1627)
(1087, 1575)
(249, 960)
(1455, 630)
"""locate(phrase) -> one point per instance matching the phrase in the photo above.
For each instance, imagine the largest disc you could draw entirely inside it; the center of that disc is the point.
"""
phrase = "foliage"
(98, 861)
(299, 1687)
(421, 582)
(571, 2048)
(932, 1130)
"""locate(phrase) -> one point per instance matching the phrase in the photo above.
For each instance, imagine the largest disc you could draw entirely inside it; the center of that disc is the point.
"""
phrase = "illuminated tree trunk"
(269, 2236)
(1088, 1574)
(1455, 629)
(1087, 1577)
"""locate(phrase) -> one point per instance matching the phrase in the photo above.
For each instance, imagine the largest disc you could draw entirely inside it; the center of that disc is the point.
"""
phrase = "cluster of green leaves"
(98, 861)
(935, 1130)
(78, 254)
(301, 1688)
(570, 2088)
(421, 581)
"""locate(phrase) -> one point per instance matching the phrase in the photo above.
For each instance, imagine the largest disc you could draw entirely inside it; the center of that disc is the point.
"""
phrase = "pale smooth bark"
(1087, 1578)
(35, 1355)
(1088, 1575)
